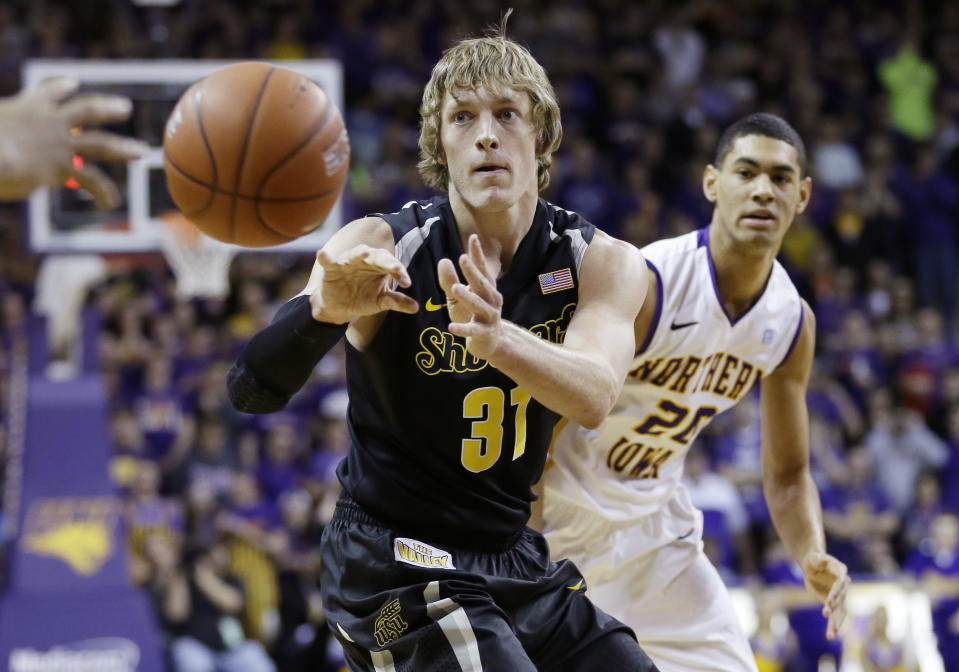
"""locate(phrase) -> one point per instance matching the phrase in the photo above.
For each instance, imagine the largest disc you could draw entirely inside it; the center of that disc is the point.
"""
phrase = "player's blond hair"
(492, 62)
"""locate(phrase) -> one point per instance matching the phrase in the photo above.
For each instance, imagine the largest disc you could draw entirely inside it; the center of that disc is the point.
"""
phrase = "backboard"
(64, 220)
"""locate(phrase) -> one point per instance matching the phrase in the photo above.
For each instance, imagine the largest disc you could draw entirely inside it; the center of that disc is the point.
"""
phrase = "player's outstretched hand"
(360, 282)
(828, 579)
(41, 130)
(476, 307)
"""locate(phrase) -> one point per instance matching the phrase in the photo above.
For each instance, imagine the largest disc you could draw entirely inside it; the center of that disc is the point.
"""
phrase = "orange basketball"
(255, 154)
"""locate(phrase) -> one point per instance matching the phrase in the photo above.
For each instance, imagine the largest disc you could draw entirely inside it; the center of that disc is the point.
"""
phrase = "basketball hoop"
(201, 265)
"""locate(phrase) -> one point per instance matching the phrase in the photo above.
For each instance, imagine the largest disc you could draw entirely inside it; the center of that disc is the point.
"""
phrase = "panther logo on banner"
(77, 530)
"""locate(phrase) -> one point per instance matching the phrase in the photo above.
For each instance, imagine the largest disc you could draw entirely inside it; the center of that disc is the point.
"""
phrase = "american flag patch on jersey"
(555, 281)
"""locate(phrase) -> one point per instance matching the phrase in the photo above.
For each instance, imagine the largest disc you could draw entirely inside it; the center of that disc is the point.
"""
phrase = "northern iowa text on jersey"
(442, 352)
(721, 373)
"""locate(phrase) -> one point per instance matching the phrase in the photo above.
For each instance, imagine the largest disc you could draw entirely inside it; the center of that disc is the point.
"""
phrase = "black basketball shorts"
(402, 604)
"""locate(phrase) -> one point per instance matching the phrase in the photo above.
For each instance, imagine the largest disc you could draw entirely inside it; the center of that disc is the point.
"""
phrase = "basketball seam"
(242, 158)
(209, 149)
(227, 192)
(320, 125)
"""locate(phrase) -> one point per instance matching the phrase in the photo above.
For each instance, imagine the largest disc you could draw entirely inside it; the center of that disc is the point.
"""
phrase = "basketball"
(255, 154)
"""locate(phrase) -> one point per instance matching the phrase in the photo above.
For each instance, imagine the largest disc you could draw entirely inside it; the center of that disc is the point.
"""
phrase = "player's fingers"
(467, 329)
(108, 146)
(477, 305)
(837, 595)
(381, 260)
(834, 576)
(446, 273)
(96, 108)
(354, 256)
(53, 89)
(401, 275)
(399, 302)
(104, 191)
(478, 282)
(835, 621)
(460, 296)
(324, 259)
(477, 255)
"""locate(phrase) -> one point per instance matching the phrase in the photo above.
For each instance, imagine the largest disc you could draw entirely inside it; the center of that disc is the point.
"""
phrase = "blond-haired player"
(456, 379)
(721, 315)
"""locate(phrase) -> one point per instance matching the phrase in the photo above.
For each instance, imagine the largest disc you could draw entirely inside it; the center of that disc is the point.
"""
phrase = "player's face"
(758, 190)
(490, 143)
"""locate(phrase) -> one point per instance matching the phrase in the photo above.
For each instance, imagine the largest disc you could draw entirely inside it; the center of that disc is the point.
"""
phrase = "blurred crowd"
(645, 89)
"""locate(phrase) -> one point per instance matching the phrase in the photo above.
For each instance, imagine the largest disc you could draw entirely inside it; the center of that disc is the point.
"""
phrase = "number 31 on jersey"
(486, 406)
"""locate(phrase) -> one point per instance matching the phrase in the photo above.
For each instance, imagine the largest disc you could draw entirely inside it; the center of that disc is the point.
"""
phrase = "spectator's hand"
(162, 552)
(277, 544)
(359, 282)
(937, 586)
(828, 579)
(476, 307)
(38, 142)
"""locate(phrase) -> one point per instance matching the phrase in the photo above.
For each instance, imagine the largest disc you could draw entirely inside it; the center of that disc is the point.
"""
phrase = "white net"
(200, 263)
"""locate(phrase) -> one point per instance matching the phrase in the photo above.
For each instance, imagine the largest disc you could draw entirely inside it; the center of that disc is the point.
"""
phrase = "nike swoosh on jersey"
(430, 306)
(674, 326)
(576, 586)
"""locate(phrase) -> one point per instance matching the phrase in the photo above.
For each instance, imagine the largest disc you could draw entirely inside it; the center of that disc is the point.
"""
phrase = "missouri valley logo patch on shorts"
(417, 553)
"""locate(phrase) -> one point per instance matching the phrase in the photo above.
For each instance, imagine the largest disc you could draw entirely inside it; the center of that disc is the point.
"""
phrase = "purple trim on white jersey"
(659, 309)
(702, 236)
(802, 314)
(702, 239)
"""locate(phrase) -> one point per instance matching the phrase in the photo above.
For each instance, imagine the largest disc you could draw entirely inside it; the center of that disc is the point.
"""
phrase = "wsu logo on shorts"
(389, 624)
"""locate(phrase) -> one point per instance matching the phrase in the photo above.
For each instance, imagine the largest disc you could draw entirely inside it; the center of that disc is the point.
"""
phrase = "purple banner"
(93, 633)
(69, 531)
(70, 606)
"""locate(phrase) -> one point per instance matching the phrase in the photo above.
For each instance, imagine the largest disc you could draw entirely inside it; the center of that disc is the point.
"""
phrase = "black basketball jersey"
(443, 444)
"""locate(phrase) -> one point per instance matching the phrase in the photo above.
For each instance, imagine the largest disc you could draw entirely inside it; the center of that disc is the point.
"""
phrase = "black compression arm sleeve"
(278, 360)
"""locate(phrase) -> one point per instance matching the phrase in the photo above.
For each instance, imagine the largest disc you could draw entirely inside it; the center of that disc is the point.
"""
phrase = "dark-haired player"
(456, 379)
(721, 316)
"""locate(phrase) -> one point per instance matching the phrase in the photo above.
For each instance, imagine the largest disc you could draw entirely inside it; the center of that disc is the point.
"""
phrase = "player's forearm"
(575, 384)
(796, 512)
(279, 359)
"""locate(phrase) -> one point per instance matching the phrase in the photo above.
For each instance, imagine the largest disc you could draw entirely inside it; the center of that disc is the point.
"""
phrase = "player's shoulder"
(808, 316)
(668, 249)
(414, 215)
(561, 218)
(781, 275)
(806, 331)
(780, 286)
(614, 251)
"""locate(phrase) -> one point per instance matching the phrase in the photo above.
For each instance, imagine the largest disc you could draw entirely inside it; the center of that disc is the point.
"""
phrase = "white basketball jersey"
(695, 363)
